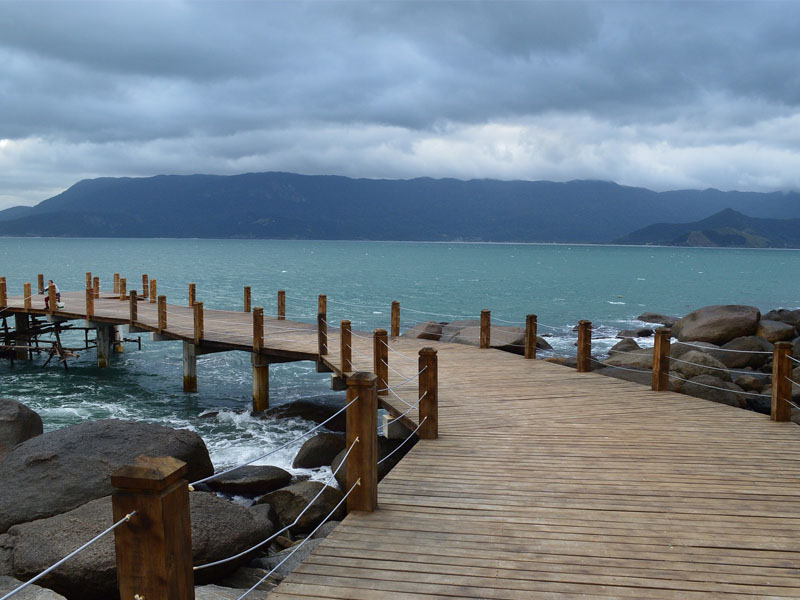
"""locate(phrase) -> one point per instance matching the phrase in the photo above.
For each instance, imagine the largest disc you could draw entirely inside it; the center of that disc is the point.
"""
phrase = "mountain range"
(292, 206)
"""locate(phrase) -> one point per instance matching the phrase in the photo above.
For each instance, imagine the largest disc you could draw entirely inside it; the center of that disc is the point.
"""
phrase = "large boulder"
(290, 502)
(712, 388)
(467, 329)
(785, 315)
(289, 559)
(796, 348)
(642, 377)
(636, 359)
(696, 363)
(775, 331)
(390, 452)
(678, 349)
(749, 351)
(717, 324)
(220, 529)
(430, 330)
(635, 333)
(512, 339)
(251, 480)
(649, 317)
(319, 451)
(32, 592)
(624, 345)
(17, 424)
(317, 411)
(63, 469)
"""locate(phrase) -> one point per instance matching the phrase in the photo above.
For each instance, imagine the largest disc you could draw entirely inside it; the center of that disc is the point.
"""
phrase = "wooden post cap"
(149, 473)
(427, 351)
(362, 378)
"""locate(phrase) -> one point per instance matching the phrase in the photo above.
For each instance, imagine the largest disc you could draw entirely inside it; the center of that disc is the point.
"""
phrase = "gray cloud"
(662, 95)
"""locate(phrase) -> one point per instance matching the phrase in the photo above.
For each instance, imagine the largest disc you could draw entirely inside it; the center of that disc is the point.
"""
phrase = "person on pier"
(52, 284)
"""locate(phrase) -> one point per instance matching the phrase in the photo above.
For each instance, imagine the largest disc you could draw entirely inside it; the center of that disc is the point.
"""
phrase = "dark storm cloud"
(657, 94)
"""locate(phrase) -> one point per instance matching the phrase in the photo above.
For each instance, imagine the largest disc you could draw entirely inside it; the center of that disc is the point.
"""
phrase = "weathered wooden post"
(21, 335)
(162, 313)
(660, 382)
(40, 283)
(781, 382)
(154, 549)
(198, 322)
(260, 364)
(89, 303)
(153, 291)
(247, 298)
(134, 304)
(51, 297)
(584, 346)
(281, 305)
(189, 367)
(26, 292)
(258, 329)
(486, 328)
(322, 324)
(395, 319)
(116, 283)
(192, 294)
(380, 360)
(429, 394)
(530, 336)
(104, 342)
(3, 293)
(362, 423)
(145, 286)
(88, 279)
(123, 289)
(345, 348)
(96, 286)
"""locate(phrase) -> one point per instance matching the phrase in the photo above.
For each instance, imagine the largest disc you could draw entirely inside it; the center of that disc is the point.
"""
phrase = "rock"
(326, 529)
(385, 448)
(32, 592)
(219, 529)
(626, 345)
(796, 348)
(431, 330)
(564, 361)
(637, 359)
(784, 315)
(678, 349)
(251, 480)
(717, 324)
(216, 592)
(649, 317)
(319, 451)
(635, 333)
(469, 328)
(644, 377)
(63, 469)
(751, 383)
(744, 352)
(512, 339)
(298, 555)
(17, 424)
(706, 387)
(246, 577)
(290, 501)
(317, 412)
(775, 331)
(701, 364)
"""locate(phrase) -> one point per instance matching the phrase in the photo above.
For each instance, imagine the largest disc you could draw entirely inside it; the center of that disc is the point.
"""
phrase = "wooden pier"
(542, 481)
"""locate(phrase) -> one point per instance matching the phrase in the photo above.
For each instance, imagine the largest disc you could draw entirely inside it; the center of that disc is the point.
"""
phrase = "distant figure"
(52, 284)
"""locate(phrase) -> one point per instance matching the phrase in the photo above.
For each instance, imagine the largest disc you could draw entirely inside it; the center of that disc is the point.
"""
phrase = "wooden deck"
(548, 483)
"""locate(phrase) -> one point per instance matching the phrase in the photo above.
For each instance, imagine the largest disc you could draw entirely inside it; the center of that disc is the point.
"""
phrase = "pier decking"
(543, 483)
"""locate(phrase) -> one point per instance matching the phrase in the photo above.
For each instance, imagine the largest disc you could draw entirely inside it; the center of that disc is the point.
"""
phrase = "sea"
(441, 281)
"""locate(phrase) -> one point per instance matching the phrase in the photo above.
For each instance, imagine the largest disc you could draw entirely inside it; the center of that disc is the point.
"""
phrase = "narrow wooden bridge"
(544, 482)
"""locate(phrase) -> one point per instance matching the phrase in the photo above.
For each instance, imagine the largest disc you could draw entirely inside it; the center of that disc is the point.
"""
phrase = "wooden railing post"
(145, 286)
(584, 346)
(123, 289)
(192, 294)
(153, 290)
(281, 305)
(162, 313)
(660, 382)
(3, 293)
(322, 324)
(27, 294)
(530, 336)
(40, 283)
(781, 383)
(345, 348)
(88, 279)
(96, 286)
(154, 549)
(380, 360)
(429, 394)
(260, 364)
(51, 298)
(116, 283)
(486, 328)
(247, 298)
(134, 308)
(362, 423)
(89, 303)
(395, 319)
(198, 322)
(258, 329)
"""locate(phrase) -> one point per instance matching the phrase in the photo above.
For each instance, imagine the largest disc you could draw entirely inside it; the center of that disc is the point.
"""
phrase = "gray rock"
(319, 451)
(636, 359)
(708, 388)
(752, 383)
(326, 529)
(386, 447)
(219, 529)
(784, 315)
(665, 320)
(696, 363)
(430, 330)
(678, 349)
(317, 412)
(252, 480)
(644, 377)
(512, 339)
(635, 333)
(744, 352)
(717, 324)
(246, 577)
(32, 592)
(216, 592)
(564, 361)
(467, 328)
(300, 553)
(625, 345)
(796, 348)
(290, 501)
(17, 424)
(77, 462)
(775, 331)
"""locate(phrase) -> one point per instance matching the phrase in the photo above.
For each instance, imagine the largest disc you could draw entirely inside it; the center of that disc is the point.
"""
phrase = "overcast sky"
(662, 95)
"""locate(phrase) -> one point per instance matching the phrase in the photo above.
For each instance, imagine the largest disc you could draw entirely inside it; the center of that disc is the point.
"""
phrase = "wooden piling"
(395, 324)
(123, 289)
(189, 367)
(661, 347)
(258, 329)
(530, 336)
(380, 360)
(260, 382)
(116, 283)
(154, 549)
(192, 294)
(145, 286)
(429, 394)
(322, 325)
(362, 424)
(281, 305)
(40, 283)
(88, 279)
(134, 305)
(781, 382)
(51, 298)
(584, 346)
(96, 286)
(247, 298)
(3, 293)
(89, 303)
(26, 292)
(162, 313)
(153, 290)
(486, 328)
(104, 335)
(345, 348)
(198, 322)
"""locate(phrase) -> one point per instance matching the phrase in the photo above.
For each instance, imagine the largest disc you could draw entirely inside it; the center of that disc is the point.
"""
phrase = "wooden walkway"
(548, 483)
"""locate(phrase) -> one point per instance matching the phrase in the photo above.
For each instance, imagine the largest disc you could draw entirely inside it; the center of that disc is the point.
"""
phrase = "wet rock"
(744, 352)
(77, 462)
(784, 315)
(626, 345)
(717, 324)
(712, 388)
(394, 449)
(696, 363)
(252, 480)
(649, 317)
(643, 377)
(430, 330)
(636, 359)
(217, 592)
(467, 329)
(292, 557)
(635, 333)
(512, 339)
(17, 424)
(317, 411)
(319, 451)
(290, 501)
(775, 331)
(32, 592)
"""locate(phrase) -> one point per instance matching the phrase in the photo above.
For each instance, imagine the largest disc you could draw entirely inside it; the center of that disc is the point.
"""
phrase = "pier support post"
(346, 348)
(281, 305)
(119, 334)
(116, 283)
(362, 423)
(145, 286)
(123, 289)
(104, 335)
(660, 382)
(21, 337)
(260, 383)
(781, 383)
(380, 360)
(153, 291)
(89, 304)
(192, 294)
(486, 328)
(247, 298)
(395, 324)
(40, 283)
(154, 549)
(189, 367)
(530, 336)
(429, 394)
(584, 346)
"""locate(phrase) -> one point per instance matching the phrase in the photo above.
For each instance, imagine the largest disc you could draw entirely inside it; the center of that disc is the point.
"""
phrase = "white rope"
(357, 353)
(794, 359)
(792, 381)
(356, 305)
(398, 352)
(707, 349)
(289, 443)
(412, 407)
(124, 519)
(427, 312)
(405, 379)
(714, 387)
(686, 362)
(594, 360)
(508, 322)
(403, 443)
(395, 394)
(298, 546)
(295, 522)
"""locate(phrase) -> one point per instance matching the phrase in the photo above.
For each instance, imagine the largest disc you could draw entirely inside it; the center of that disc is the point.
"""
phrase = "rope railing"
(717, 349)
(715, 387)
(629, 369)
(686, 362)
(51, 568)
(398, 352)
(793, 359)
(403, 443)
(406, 380)
(408, 410)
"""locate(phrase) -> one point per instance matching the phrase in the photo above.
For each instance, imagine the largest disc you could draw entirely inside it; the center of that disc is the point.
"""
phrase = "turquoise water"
(609, 285)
